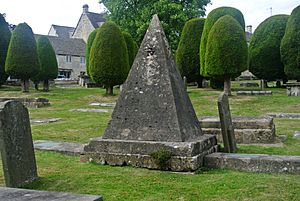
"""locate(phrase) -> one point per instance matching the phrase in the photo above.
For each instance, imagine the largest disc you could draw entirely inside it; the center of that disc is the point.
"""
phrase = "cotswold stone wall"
(75, 66)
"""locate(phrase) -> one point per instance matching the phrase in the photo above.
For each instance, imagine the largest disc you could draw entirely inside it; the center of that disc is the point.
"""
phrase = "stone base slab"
(15, 194)
(186, 156)
(254, 162)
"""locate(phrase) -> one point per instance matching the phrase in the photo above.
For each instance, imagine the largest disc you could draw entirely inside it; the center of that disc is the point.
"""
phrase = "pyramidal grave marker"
(153, 119)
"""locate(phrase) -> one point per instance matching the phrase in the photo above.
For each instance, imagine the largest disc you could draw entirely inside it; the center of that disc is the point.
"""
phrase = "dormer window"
(68, 58)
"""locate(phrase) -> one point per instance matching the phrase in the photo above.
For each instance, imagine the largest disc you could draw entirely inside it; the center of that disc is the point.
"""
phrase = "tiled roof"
(95, 18)
(63, 31)
(67, 46)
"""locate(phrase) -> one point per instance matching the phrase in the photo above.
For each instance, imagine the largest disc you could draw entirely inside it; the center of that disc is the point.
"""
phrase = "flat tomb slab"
(67, 148)
(285, 115)
(254, 162)
(92, 110)
(254, 93)
(186, 156)
(15, 194)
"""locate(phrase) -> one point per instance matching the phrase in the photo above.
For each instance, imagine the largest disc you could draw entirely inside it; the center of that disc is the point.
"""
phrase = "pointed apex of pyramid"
(153, 105)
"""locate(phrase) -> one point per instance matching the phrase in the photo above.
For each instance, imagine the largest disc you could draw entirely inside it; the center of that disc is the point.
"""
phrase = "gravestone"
(185, 83)
(17, 153)
(226, 124)
(153, 113)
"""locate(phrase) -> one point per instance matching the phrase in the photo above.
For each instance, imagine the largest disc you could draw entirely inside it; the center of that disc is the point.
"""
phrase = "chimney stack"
(85, 8)
(249, 29)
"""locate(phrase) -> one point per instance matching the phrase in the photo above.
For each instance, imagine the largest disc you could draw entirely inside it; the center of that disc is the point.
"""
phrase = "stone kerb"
(254, 93)
(18, 159)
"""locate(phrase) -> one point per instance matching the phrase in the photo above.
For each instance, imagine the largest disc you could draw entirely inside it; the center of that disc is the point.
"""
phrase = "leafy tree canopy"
(4, 42)
(134, 16)
(290, 46)
(212, 17)
(264, 50)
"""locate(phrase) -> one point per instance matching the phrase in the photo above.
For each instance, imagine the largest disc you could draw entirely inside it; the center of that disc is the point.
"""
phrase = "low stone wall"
(254, 93)
(247, 130)
(29, 102)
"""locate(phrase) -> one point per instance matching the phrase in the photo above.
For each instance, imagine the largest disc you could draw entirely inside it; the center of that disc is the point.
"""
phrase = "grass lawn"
(67, 174)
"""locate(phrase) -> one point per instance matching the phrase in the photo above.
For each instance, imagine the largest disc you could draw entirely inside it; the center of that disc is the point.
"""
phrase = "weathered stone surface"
(293, 89)
(285, 115)
(247, 130)
(249, 84)
(153, 113)
(18, 159)
(52, 120)
(92, 110)
(254, 93)
(186, 156)
(29, 102)
(61, 147)
(14, 194)
(297, 134)
(254, 162)
(227, 128)
(102, 104)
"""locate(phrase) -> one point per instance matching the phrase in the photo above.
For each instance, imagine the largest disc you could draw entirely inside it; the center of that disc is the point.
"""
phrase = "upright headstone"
(16, 144)
(226, 124)
(153, 113)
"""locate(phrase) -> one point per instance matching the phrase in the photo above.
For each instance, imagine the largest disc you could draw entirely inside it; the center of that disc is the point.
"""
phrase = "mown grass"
(67, 174)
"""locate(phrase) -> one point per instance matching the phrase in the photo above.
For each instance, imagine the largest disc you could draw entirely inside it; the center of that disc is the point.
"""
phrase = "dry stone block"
(18, 159)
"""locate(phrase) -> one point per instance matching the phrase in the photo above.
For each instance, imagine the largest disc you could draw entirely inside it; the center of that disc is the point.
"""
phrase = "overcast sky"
(40, 14)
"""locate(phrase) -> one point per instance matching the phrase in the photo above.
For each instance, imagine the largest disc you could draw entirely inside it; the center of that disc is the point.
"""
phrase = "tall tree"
(227, 51)
(264, 50)
(22, 59)
(131, 48)
(109, 57)
(187, 53)
(89, 44)
(134, 16)
(290, 46)
(4, 42)
(48, 62)
(212, 17)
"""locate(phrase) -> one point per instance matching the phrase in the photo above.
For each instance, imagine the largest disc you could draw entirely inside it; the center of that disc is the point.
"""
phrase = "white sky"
(40, 14)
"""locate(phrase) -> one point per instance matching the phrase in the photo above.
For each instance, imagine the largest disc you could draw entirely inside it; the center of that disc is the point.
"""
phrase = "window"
(82, 60)
(68, 58)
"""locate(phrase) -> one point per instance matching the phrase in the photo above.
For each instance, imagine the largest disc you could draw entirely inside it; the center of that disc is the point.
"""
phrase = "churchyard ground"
(65, 173)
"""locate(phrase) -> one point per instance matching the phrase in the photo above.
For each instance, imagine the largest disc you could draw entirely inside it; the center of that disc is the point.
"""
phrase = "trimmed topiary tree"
(4, 42)
(290, 46)
(212, 17)
(131, 49)
(89, 44)
(264, 50)
(48, 62)
(108, 57)
(187, 54)
(227, 51)
(22, 59)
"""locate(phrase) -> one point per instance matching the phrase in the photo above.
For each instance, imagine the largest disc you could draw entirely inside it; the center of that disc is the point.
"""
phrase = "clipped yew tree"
(264, 50)
(131, 48)
(4, 42)
(108, 57)
(48, 62)
(22, 59)
(212, 17)
(227, 51)
(187, 53)
(290, 46)
(89, 44)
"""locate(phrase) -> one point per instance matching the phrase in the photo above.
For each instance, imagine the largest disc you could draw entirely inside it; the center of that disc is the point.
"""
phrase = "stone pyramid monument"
(153, 113)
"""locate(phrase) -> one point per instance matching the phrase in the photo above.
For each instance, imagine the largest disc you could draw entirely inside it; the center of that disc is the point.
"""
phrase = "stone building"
(69, 43)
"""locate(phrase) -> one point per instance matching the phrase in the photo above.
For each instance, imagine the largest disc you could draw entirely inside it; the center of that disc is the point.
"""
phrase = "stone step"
(67, 148)
(254, 162)
(15, 194)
